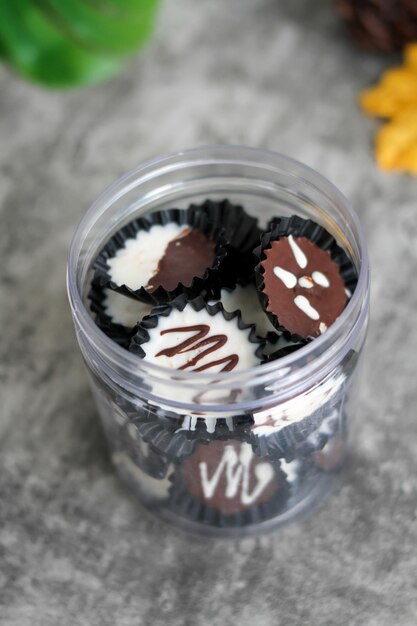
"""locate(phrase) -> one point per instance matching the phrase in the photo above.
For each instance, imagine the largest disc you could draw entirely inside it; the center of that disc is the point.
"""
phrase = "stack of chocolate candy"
(204, 289)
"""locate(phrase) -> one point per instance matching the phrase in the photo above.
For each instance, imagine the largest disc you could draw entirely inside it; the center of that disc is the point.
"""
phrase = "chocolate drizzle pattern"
(197, 341)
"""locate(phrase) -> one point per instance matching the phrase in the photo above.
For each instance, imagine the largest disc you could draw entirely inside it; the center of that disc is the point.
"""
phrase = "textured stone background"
(75, 548)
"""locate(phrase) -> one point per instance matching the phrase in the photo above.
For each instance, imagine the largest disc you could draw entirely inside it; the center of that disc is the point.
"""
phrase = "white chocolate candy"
(237, 341)
(237, 344)
(124, 310)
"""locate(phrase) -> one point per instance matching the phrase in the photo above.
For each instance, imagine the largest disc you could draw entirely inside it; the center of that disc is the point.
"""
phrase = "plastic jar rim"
(215, 154)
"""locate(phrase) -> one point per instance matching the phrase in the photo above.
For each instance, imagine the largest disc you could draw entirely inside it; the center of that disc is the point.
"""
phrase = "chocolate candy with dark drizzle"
(197, 341)
(186, 257)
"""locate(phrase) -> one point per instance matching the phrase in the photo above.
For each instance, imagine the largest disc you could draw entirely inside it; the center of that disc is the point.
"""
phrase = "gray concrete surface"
(75, 547)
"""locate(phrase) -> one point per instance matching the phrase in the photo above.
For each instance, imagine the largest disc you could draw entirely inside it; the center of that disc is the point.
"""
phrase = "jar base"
(153, 494)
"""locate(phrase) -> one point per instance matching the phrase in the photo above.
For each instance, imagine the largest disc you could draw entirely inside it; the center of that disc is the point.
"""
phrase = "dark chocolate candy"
(229, 477)
(303, 284)
(185, 257)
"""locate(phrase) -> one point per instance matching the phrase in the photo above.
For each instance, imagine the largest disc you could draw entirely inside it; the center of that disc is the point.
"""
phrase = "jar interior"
(266, 185)
(291, 425)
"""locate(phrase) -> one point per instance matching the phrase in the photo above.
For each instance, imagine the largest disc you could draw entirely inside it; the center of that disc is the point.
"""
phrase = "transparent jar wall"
(311, 464)
(224, 467)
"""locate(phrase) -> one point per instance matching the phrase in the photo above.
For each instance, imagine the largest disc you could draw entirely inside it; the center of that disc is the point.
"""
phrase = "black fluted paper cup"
(244, 298)
(281, 347)
(210, 244)
(126, 442)
(224, 484)
(303, 425)
(176, 436)
(345, 277)
(242, 233)
(117, 315)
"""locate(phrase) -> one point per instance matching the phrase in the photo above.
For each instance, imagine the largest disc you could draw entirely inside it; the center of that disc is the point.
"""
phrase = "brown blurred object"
(332, 456)
(380, 24)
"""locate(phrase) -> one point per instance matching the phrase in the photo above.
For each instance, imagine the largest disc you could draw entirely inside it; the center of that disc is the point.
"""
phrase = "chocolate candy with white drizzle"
(229, 477)
(303, 285)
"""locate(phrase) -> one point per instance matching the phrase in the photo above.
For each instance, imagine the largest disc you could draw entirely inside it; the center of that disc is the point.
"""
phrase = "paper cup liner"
(232, 494)
(240, 229)
(280, 352)
(144, 455)
(183, 217)
(269, 336)
(298, 227)
(285, 443)
(119, 333)
(176, 437)
(331, 426)
(324, 451)
(125, 438)
(280, 432)
(242, 233)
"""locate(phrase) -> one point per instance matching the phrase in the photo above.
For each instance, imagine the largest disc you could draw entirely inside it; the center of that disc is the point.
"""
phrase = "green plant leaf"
(123, 8)
(41, 52)
(3, 52)
(98, 31)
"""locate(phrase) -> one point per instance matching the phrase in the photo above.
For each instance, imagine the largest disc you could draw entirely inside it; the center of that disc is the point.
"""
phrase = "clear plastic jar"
(226, 483)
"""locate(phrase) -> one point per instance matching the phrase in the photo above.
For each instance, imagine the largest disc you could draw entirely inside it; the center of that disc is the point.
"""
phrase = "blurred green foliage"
(65, 43)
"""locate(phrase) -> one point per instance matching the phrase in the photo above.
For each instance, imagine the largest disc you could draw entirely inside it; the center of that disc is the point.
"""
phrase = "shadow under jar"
(217, 453)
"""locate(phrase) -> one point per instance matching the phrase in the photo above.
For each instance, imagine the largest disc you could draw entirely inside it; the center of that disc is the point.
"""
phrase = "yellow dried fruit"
(395, 98)
(410, 55)
(396, 143)
(397, 89)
